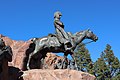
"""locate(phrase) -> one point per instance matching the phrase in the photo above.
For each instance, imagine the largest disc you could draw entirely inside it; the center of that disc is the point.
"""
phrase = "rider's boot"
(67, 45)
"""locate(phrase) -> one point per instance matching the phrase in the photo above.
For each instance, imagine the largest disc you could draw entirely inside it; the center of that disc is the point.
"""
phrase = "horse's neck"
(79, 37)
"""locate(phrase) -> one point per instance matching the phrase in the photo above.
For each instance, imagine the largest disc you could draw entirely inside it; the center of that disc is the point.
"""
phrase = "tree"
(107, 67)
(112, 62)
(100, 68)
(83, 59)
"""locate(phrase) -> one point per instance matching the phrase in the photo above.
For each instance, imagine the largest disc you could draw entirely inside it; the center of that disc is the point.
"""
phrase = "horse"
(51, 43)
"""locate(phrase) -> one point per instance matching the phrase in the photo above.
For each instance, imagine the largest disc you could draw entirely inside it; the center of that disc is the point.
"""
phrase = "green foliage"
(107, 67)
(99, 69)
(83, 59)
(117, 76)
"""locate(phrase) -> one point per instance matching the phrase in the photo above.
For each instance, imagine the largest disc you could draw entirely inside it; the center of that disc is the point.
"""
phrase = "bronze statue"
(60, 32)
(51, 44)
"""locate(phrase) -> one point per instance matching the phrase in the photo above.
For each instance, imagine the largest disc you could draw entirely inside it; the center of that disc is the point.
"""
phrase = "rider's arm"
(59, 23)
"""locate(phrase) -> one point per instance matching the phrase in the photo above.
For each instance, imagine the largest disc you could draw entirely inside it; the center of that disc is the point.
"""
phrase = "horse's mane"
(78, 33)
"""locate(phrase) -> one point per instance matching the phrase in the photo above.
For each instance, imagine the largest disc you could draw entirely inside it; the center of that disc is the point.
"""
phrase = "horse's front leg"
(63, 66)
(73, 57)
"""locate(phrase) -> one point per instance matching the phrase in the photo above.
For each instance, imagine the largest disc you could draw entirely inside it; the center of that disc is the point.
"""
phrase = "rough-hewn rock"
(51, 60)
(19, 49)
(59, 74)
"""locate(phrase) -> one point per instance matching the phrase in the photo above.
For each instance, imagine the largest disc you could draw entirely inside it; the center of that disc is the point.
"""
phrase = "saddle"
(53, 40)
(52, 35)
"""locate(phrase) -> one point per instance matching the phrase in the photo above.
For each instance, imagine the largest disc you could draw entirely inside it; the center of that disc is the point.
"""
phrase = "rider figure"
(61, 34)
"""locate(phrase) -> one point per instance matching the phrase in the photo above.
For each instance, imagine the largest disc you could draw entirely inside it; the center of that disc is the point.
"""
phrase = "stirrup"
(68, 44)
(67, 48)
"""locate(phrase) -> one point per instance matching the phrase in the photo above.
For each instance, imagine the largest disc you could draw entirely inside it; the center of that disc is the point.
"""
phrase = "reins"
(86, 43)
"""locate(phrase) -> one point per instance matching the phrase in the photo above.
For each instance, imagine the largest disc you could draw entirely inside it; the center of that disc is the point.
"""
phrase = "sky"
(25, 19)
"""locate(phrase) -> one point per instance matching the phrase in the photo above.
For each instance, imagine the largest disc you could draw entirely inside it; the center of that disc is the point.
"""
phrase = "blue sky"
(24, 19)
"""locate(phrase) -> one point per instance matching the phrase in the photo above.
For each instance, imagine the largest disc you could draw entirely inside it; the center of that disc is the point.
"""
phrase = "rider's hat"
(57, 13)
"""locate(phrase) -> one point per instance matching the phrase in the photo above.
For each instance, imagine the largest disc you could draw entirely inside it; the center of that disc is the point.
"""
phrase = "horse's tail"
(33, 39)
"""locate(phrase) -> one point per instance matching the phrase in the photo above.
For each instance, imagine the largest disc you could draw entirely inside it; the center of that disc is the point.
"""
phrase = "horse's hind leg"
(29, 58)
(28, 63)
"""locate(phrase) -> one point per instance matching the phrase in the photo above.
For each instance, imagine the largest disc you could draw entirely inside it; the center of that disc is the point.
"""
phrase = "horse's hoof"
(28, 68)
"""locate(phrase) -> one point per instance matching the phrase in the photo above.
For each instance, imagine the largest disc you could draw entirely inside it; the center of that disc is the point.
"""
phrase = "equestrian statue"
(61, 41)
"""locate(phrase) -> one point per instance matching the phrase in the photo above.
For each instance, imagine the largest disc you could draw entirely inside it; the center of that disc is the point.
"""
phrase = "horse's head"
(90, 35)
(86, 34)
